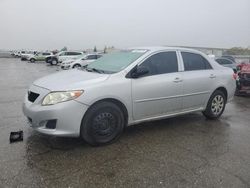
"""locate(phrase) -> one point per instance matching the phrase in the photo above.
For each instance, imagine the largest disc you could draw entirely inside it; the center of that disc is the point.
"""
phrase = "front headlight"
(60, 96)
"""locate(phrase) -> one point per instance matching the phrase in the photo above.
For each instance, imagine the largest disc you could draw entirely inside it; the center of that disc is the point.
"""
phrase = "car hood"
(245, 68)
(70, 80)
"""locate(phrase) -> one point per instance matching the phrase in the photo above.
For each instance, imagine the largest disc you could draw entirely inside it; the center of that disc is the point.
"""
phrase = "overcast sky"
(80, 24)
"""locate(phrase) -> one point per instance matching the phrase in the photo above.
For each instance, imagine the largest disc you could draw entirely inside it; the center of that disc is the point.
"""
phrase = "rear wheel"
(103, 123)
(76, 66)
(216, 105)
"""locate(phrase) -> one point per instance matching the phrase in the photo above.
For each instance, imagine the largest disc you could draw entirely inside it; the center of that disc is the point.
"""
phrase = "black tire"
(103, 123)
(76, 66)
(47, 60)
(216, 105)
(32, 60)
(54, 61)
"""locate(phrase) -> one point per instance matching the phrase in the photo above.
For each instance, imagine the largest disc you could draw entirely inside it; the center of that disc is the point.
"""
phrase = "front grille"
(246, 76)
(32, 96)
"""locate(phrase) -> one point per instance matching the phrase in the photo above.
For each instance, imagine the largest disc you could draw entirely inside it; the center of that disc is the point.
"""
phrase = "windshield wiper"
(94, 70)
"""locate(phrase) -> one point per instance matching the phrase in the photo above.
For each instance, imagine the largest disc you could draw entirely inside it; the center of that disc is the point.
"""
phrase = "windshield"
(224, 61)
(116, 61)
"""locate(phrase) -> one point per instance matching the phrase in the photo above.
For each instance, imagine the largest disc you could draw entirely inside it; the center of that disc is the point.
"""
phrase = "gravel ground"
(187, 151)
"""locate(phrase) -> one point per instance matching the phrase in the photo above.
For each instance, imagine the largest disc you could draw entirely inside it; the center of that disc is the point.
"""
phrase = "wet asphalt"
(186, 151)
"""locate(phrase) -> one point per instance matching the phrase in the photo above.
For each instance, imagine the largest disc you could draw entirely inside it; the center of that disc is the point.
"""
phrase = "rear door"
(68, 55)
(198, 80)
(159, 92)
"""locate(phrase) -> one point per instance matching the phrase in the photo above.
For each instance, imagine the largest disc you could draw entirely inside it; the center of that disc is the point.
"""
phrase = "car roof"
(159, 48)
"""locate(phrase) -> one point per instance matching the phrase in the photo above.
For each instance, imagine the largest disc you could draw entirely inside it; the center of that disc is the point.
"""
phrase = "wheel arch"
(224, 90)
(120, 104)
(76, 64)
(220, 88)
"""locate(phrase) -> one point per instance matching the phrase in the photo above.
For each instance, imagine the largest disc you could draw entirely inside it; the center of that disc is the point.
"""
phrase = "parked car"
(227, 63)
(62, 56)
(12, 53)
(128, 87)
(229, 57)
(243, 79)
(79, 62)
(26, 54)
(41, 56)
(18, 53)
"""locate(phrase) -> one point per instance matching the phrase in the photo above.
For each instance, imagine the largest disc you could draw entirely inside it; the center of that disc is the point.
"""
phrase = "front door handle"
(177, 79)
(212, 76)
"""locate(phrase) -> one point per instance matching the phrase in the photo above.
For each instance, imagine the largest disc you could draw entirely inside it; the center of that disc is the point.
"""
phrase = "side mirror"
(139, 71)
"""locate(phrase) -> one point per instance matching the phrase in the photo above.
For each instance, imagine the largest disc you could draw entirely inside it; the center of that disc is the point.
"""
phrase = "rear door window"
(194, 61)
(76, 53)
(46, 53)
(72, 53)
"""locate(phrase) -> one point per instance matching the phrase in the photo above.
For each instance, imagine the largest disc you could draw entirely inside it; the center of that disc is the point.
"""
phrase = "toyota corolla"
(128, 87)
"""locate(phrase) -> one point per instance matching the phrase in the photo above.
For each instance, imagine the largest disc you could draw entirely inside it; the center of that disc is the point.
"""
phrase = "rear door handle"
(177, 79)
(212, 76)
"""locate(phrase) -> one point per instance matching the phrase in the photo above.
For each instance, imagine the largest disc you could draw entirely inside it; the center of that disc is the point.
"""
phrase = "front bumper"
(67, 115)
(24, 58)
(65, 67)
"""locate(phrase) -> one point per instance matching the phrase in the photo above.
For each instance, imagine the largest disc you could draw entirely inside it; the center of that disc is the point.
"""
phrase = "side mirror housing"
(139, 71)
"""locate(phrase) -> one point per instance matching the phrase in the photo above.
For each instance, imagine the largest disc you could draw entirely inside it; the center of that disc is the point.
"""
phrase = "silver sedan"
(128, 87)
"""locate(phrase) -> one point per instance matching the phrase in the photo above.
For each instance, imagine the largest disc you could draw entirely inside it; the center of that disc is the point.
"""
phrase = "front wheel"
(54, 61)
(76, 66)
(32, 60)
(215, 106)
(103, 123)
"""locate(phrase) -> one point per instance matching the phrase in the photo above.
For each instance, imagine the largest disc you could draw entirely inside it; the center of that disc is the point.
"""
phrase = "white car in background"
(26, 54)
(62, 56)
(68, 55)
(79, 62)
(17, 54)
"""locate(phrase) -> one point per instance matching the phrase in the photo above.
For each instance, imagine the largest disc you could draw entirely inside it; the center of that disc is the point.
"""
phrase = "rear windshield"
(116, 61)
(224, 61)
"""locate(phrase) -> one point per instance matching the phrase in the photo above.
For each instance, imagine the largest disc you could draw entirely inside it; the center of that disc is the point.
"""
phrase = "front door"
(160, 91)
